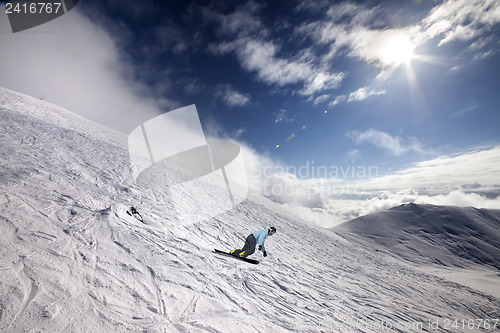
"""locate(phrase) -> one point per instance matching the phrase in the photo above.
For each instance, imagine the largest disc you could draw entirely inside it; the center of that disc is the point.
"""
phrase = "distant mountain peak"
(446, 235)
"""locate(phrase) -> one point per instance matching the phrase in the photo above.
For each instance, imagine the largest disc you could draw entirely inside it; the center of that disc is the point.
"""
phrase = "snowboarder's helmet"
(273, 229)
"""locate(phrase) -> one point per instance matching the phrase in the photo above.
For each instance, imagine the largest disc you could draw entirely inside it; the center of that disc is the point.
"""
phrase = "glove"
(264, 253)
(260, 247)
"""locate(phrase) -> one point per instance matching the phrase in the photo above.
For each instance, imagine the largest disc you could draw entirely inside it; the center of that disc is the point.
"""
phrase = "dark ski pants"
(249, 247)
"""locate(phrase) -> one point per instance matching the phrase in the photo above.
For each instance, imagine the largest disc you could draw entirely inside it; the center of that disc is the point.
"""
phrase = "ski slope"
(72, 260)
(457, 243)
(442, 235)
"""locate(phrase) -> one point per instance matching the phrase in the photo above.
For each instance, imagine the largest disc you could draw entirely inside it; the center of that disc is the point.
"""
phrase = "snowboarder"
(257, 238)
(135, 213)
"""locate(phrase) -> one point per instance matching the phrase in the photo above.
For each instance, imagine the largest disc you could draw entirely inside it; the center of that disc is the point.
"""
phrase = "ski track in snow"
(72, 260)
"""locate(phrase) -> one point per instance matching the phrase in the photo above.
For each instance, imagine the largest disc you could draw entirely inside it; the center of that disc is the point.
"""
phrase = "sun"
(396, 50)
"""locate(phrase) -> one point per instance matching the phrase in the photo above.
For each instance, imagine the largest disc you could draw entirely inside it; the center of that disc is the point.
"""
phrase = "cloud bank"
(465, 179)
(79, 67)
(395, 145)
(479, 166)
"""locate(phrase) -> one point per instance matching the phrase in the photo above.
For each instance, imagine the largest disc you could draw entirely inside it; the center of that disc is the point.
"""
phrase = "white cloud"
(347, 29)
(461, 19)
(354, 30)
(239, 132)
(461, 199)
(246, 37)
(260, 56)
(468, 109)
(257, 166)
(356, 96)
(361, 32)
(338, 210)
(287, 188)
(355, 153)
(339, 99)
(466, 179)
(387, 200)
(476, 167)
(321, 81)
(481, 55)
(481, 43)
(282, 116)
(230, 96)
(319, 99)
(363, 93)
(75, 64)
(303, 197)
(395, 145)
(323, 218)
(379, 46)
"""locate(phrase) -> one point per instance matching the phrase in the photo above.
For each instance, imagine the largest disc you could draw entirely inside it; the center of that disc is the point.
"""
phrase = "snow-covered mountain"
(443, 235)
(72, 260)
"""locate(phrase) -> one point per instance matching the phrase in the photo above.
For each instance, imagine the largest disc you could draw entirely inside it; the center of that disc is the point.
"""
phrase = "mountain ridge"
(429, 233)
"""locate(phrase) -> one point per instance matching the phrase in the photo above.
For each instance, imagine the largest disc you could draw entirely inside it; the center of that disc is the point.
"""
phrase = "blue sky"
(267, 73)
(395, 85)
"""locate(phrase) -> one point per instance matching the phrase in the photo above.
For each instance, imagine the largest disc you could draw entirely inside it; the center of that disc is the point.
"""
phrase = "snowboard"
(251, 261)
(134, 213)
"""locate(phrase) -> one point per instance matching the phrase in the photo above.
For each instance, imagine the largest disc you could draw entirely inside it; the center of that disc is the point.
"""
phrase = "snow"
(444, 235)
(456, 243)
(479, 278)
(72, 260)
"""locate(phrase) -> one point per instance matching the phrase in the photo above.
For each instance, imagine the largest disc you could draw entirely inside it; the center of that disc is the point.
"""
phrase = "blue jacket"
(260, 237)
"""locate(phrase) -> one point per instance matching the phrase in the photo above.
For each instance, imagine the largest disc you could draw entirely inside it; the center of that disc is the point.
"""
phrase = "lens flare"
(397, 50)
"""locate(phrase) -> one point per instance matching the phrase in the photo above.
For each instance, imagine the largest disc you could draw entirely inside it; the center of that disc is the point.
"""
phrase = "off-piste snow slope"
(443, 235)
(72, 260)
(459, 243)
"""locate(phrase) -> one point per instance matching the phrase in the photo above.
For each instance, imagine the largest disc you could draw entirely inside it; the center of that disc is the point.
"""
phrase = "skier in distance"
(257, 238)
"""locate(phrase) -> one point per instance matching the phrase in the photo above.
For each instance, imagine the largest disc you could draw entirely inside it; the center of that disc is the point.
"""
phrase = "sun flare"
(397, 50)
